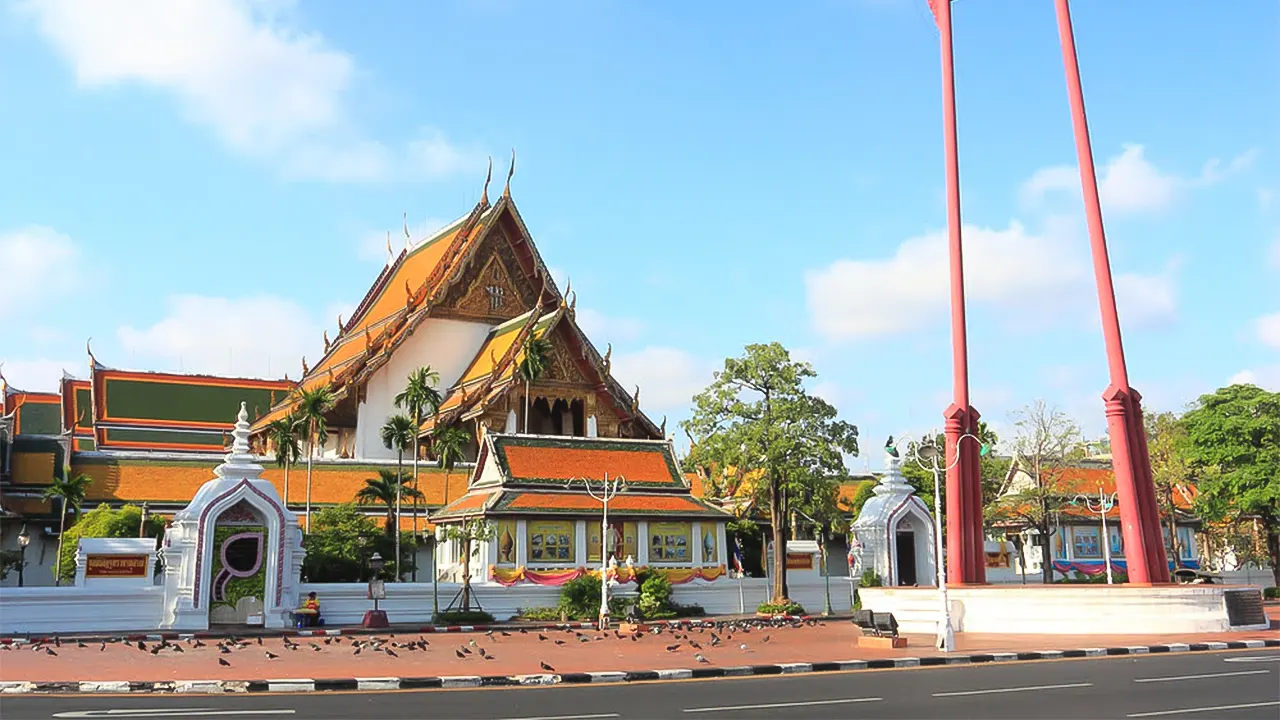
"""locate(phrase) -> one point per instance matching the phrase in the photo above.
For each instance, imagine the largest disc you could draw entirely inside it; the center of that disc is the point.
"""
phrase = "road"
(1227, 685)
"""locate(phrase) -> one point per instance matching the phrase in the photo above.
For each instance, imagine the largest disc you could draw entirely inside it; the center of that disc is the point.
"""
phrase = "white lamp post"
(609, 489)
(1105, 503)
(929, 452)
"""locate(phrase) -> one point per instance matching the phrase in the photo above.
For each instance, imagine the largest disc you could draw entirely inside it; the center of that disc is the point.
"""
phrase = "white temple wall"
(448, 346)
(80, 609)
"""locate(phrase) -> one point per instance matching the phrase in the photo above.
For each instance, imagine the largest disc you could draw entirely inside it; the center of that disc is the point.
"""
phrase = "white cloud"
(1267, 377)
(268, 88)
(1148, 301)
(1267, 330)
(30, 257)
(260, 336)
(603, 328)
(1129, 182)
(668, 377)
(1008, 268)
(41, 375)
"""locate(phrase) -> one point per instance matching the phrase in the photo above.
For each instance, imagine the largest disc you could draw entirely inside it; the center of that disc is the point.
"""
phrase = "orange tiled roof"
(625, 503)
(847, 491)
(543, 459)
(1087, 479)
(696, 486)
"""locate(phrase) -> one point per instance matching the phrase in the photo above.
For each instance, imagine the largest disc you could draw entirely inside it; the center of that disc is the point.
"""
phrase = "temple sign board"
(115, 562)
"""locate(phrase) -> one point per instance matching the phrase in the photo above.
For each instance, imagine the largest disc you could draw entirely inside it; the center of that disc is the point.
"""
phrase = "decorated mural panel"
(551, 541)
(669, 542)
(505, 533)
(710, 545)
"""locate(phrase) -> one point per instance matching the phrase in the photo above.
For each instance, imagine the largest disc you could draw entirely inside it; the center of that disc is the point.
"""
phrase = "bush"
(541, 614)
(654, 602)
(580, 599)
(1271, 593)
(786, 607)
(341, 541)
(465, 617)
(870, 578)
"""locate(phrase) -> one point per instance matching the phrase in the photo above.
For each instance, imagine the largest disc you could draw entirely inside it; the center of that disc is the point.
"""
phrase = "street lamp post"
(24, 539)
(609, 489)
(826, 571)
(1105, 503)
(146, 515)
(929, 452)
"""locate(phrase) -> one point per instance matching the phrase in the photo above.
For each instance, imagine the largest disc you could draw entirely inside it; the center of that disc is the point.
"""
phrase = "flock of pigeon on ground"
(695, 636)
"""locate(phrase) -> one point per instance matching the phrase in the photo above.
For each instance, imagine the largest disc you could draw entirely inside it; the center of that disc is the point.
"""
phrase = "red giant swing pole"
(1139, 517)
(965, 557)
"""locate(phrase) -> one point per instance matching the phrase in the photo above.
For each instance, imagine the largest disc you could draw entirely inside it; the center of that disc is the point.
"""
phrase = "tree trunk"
(466, 570)
(415, 496)
(1046, 554)
(526, 407)
(62, 531)
(311, 451)
(777, 520)
(286, 483)
(1272, 525)
(399, 487)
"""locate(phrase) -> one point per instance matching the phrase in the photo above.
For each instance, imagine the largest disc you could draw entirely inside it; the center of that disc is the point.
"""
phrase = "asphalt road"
(1227, 685)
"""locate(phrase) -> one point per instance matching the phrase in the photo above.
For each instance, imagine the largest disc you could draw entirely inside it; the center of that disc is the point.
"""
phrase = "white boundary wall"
(80, 609)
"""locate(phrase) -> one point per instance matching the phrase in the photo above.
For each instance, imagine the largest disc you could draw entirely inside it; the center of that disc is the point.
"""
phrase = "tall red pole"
(964, 512)
(1139, 519)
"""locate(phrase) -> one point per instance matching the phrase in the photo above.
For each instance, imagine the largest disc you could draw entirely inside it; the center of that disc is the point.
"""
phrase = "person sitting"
(309, 613)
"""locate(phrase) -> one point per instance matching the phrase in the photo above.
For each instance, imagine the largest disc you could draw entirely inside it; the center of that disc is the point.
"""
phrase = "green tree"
(103, 522)
(468, 532)
(449, 444)
(69, 490)
(420, 399)
(286, 439)
(313, 405)
(757, 417)
(1170, 470)
(386, 490)
(537, 355)
(865, 492)
(1233, 438)
(340, 544)
(399, 433)
(994, 469)
(1046, 444)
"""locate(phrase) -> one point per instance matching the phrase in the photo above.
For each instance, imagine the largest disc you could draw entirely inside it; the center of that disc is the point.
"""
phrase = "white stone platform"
(1062, 609)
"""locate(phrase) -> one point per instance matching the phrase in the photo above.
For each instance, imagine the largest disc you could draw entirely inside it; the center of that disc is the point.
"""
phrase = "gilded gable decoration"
(506, 191)
(327, 343)
(608, 360)
(491, 293)
(305, 369)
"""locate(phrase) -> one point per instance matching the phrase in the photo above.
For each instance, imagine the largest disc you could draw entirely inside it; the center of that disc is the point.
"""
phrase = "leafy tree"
(285, 437)
(386, 489)
(468, 532)
(865, 491)
(399, 433)
(449, 443)
(340, 544)
(1170, 470)
(69, 490)
(757, 416)
(1046, 444)
(103, 522)
(1233, 437)
(420, 399)
(313, 405)
(10, 560)
(537, 355)
(994, 469)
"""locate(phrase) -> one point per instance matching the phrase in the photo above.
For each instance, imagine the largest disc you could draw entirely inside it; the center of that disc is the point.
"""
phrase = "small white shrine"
(234, 555)
(893, 534)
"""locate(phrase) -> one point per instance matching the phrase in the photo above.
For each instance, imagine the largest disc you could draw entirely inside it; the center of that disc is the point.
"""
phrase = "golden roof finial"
(331, 376)
(573, 304)
(368, 341)
(663, 429)
(408, 293)
(305, 369)
(506, 191)
(389, 255)
(408, 239)
(635, 401)
(608, 359)
(326, 341)
(93, 361)
(493, 359)
(484, 194)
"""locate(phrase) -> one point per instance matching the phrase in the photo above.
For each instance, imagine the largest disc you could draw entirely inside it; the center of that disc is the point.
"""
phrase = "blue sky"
(204, 185)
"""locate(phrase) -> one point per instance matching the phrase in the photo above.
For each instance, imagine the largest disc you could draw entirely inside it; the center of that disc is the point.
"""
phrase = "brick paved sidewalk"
(515, 653)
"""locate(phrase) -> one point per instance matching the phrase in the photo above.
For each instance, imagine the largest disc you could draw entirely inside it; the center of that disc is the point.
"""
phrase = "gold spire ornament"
(389, 256)
(663, 429)
(327, 344)
(340, 324)
(305, 369)
(608, 360)
(408, 239)
(484, 194)
(635, 401)
(506, 190)
(93, 361)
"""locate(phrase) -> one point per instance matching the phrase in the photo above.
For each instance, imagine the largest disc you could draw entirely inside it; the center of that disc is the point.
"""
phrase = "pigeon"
(224, 649)
(315, 647)
(743, 646)
(472, 643)
(57, 642)
(460, 655)
(328, 641)
(466, 649)
(142, 645)
(392, 653)
(489, 633)
(524, 631)
(546, 667)
(177, 648)
(49, 651)
(673, 648)
(198, 644)
(223, 662)
(102, 648)
(765, 638)
(506, 634)
(271, 655)
(700, 658)
(694, 644)
(156, 650)
(260, 640)
(357, 652)
(541, 636)
(80, 644)
(559, 642)
(484, 654)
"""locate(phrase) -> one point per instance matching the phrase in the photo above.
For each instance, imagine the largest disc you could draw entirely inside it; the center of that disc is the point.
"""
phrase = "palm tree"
(537, 355)
(420, 398)
(283, 433)
(313, 405)
(449, 442)
(383, 490)
(71, 491)
(398, 434)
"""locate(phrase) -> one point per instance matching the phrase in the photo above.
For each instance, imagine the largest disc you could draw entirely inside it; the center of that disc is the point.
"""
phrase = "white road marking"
(1202, 677)
(165, 712)
(1254, 658)
(1182, 711)
(1025, 688)
(568, 717)
(806, 703)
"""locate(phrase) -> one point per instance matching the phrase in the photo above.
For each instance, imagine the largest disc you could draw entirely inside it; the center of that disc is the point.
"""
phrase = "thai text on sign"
(799, 561)
(115, 566)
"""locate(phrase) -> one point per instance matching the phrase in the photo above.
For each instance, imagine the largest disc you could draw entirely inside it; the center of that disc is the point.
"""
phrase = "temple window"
(552, 541)
(1085, 543)
(495, 296)
(669, 543)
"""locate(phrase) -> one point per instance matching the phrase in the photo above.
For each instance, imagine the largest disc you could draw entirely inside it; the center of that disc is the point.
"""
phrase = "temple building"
(469, 301)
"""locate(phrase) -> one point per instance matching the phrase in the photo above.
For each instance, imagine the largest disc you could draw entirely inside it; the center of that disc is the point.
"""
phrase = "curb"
(585, 678)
